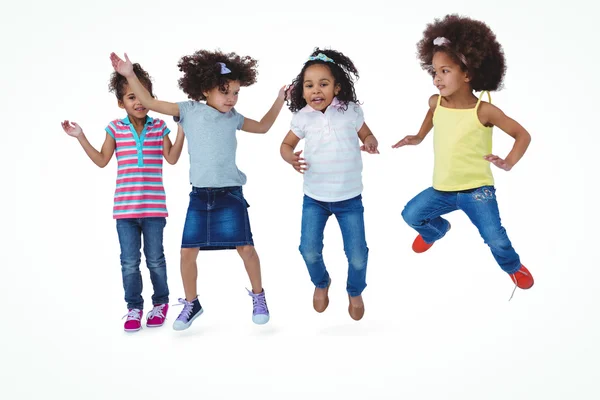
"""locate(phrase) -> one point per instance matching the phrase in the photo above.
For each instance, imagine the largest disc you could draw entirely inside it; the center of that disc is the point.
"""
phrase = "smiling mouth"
(140, 109)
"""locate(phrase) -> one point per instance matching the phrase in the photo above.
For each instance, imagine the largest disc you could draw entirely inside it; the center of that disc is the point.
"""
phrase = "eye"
(324, 84)
(236, 93)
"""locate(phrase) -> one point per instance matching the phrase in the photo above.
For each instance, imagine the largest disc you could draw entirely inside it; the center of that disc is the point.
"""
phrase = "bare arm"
(426, 126)
(492, 115)
(125, 68)
(100, 158)
(287, 152)
(267, 121)
(368, 139)
(172, 152)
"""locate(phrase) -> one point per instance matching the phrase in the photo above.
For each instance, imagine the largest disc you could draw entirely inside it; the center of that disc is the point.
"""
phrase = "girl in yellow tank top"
(463, 56)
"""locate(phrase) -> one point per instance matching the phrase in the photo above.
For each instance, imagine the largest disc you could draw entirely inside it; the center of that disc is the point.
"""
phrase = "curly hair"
(202, 72)
(118, 82)
(342, 69)
(470, 41)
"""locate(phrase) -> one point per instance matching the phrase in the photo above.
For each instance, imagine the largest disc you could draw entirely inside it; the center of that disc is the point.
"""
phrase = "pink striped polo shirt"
(140, 192)
(331, 150)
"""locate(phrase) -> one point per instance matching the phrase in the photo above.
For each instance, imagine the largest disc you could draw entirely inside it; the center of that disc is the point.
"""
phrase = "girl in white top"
(328, 117)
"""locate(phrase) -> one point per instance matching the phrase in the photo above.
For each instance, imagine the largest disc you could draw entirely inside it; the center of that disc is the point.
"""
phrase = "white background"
(437, 325)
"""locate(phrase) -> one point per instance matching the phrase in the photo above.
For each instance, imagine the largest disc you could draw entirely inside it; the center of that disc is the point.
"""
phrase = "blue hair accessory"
(224, 69)
(321, 57)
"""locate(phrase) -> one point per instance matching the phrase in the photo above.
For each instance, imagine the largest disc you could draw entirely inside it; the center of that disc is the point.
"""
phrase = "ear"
(205, 94)
(120, 103)
(467, 77)
(337, 89)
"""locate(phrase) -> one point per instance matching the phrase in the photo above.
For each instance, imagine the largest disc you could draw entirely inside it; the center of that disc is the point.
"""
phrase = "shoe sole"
(260, 321)
(133, 330)
(154, 326)
(189, 323)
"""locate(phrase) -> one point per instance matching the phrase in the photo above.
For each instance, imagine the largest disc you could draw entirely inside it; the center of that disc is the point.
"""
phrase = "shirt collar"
(334, 103)
(128, 122)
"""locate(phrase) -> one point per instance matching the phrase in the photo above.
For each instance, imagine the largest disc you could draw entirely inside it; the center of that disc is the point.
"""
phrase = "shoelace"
(157, 311)
(258, 302)
(187, 309)
(514, 278)
(134, 314)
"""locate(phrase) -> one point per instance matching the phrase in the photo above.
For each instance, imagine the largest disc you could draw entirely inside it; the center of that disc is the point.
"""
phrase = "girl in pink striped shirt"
(140, 143)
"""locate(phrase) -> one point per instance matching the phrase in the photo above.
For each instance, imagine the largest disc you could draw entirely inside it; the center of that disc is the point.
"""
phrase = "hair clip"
(224, 69)
(441, 41)
(321, 57)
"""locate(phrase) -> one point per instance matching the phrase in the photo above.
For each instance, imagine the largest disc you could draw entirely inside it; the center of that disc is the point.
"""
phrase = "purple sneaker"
(191, 311)
(260, 312)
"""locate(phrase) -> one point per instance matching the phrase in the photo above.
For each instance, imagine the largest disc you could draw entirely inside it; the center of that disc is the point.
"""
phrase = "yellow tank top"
(459, 143)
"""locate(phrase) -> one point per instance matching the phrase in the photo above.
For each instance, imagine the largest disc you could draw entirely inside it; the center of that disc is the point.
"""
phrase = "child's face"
(319, 87)
(223, 100)
(132, 105)
(449, 77)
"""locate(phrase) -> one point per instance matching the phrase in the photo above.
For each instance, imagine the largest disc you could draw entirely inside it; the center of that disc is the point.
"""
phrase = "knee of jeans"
(246, 252)
(358, 259)
(130, 266)
(310, 254)
(409, 216)
(496, 238)
(156, 260)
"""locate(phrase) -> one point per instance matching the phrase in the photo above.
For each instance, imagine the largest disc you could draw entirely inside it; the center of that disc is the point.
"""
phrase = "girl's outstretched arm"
(172, 152)
(267, 121)
(426, 126)
(491, 115)
(100, 158)
(125, 68)
(287, 152)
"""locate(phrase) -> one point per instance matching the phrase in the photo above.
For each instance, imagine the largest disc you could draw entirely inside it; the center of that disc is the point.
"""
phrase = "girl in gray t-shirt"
(217, 216)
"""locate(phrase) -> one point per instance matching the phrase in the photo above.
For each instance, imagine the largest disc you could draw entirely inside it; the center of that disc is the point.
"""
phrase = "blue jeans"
(349, 214)
(131, 231)
(423, 213)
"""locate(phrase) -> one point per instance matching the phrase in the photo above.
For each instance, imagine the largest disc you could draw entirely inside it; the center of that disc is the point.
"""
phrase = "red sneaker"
(522, 278)
(419, 245)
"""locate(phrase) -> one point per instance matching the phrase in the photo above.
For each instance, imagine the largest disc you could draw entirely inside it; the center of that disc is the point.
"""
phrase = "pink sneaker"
(157, 316)
(133, 323)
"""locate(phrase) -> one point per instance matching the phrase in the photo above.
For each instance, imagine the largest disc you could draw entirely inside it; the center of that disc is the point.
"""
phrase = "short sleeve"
(297, 127)
(240, 119)
(359, 118)
(184, 108)
(111, 129)
(164, 129)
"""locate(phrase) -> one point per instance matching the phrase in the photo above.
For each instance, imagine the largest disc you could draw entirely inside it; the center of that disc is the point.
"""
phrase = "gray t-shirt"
(212, 144)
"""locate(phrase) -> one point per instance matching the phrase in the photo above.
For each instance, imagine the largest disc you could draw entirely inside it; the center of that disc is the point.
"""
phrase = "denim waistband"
(219, 189)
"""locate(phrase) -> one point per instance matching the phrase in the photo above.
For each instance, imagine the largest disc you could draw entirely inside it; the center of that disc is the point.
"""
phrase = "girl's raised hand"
(498, 162)
(410, 140)
(299, 163)
(71, 128)
(124, 68)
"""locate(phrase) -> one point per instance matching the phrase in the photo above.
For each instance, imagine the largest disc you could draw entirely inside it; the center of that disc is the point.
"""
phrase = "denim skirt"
(217, 219)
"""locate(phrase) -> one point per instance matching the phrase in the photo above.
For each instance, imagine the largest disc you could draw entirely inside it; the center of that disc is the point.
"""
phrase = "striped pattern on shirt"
(140, 192)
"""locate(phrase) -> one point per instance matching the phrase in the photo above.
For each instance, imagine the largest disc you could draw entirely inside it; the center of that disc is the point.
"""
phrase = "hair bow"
(224, 69)
(321, 57)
